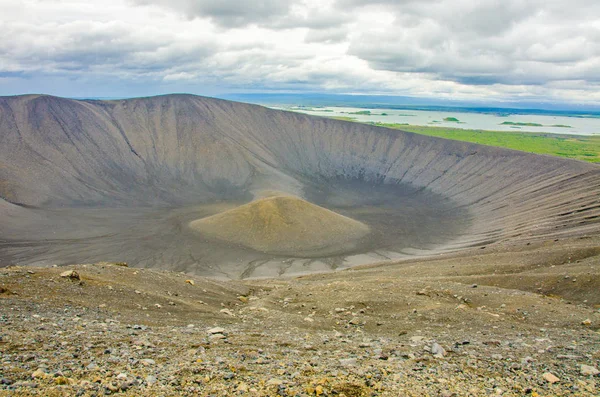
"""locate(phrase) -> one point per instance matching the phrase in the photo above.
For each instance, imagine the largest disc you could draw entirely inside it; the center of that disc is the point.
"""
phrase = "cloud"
(443, 48)
(113, 47)
(334, 35)
(483, 43)
(227, 13)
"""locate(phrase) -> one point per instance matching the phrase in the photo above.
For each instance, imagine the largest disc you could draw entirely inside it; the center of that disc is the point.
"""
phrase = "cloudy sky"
(546, 50)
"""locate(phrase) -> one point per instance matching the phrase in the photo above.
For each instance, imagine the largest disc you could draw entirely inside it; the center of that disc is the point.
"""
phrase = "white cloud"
(443, 48)
(228, 13)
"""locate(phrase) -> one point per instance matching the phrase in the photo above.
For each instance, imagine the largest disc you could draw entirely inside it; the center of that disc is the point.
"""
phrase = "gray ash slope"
(85, 181)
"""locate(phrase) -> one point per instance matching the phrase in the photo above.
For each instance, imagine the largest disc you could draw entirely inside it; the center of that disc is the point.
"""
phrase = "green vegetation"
(344, 118)
(511, 123)
(522, 124)
(580, 147)
(362, 112)
(452, 119)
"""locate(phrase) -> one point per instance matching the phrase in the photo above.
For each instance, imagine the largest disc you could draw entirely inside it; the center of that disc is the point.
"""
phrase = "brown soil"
(506, 317)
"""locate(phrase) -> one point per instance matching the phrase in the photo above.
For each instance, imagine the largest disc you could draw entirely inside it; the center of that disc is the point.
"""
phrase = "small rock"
(416, 339)
(150, 379)
(275, 382)
(190, 282)
(216, 330)
(31, 385)
(474, 286)
(227, 311)
(71, 274)
(61, 380)
(587, 321)
(567, 356)
(147, 361)
(588, 370)
(309, 319)
(112, 387)
(437, 350)
(527, 360)
(550, 378)
(92, 366)
(348, 362)
(124, 386)
(39, 374)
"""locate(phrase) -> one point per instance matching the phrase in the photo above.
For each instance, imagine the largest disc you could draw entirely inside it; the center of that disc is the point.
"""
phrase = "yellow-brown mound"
(284, 225)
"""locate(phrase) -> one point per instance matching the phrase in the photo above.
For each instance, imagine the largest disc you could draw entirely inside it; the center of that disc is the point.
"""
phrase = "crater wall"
(70, 164)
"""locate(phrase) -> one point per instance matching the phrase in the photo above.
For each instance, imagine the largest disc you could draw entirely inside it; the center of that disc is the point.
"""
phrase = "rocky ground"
(504, 321)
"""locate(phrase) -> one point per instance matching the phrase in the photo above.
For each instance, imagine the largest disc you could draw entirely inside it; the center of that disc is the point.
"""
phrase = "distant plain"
(576, 137)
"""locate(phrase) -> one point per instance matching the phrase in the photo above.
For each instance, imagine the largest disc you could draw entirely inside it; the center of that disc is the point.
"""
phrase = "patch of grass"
(580, 147)
(362, 112)
(451, 119)
(522, 124)
(344, 118)
(561, 126)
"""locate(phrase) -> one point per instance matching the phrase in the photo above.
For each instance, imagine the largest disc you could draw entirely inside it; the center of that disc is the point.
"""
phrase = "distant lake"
(472, 121)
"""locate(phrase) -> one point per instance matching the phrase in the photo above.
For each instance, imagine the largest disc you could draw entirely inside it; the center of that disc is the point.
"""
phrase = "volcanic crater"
(233, 190)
